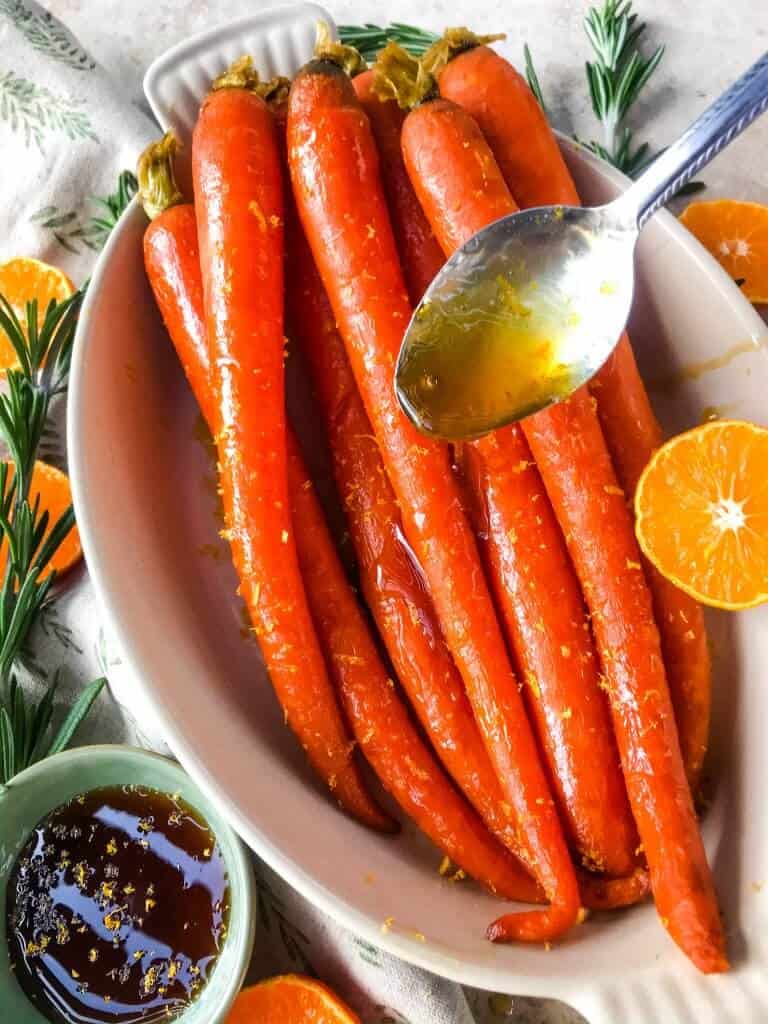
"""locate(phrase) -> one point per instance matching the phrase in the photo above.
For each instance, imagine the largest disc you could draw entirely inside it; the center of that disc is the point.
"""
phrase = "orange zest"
(736, 234)
(290, 999)
(52, 487)
(702, 513)
(21, 280)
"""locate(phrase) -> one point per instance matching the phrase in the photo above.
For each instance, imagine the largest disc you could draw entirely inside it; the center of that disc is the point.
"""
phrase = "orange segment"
(702, 513)
(736, 234)
(21, 280)
(55, 496)
(290, 999)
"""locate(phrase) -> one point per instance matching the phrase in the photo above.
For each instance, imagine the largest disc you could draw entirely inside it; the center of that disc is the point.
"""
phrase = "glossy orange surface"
(486, 85)
(736, 234)
(51, 487)
(334, 169)
(255, 492)
(420, 253)
(569, 448)
(535, 587)
(391, 579)
(702, 513)
(290, 999)
(21, 280)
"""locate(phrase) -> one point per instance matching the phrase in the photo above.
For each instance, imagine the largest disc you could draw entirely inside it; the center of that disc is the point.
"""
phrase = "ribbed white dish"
(142, 484)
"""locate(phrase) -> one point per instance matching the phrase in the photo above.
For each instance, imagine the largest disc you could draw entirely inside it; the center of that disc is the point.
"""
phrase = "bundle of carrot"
(548, 667)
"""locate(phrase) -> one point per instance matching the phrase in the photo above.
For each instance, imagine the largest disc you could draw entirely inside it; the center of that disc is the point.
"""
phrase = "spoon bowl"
(518, 318)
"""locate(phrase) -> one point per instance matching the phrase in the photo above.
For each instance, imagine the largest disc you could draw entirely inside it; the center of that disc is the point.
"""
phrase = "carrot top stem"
(243, 75)
(399, 76)
(346, 57)
(453, 42)
(157, 185)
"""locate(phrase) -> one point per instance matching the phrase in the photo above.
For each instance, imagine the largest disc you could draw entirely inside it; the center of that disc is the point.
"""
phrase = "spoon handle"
(712, 131)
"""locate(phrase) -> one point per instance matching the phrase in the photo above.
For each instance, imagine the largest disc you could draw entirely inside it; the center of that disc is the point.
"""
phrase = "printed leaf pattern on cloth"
(36, 112)
(272, 917)
(46, 35)
(67, 228)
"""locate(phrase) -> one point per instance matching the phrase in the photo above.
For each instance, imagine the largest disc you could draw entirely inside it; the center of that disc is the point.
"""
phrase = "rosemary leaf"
(41, 720)
(532, 78)
(369, 39)
(75, 716)
(7, 747)
(98, 229)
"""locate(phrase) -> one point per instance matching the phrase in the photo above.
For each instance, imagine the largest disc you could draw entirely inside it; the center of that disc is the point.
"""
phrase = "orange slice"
(290, 999)
(55, 496)
(21, 280)
(702, 513)
(736, 234)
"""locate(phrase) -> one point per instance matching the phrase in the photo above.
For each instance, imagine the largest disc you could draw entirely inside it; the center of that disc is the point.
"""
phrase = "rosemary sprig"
(369, 39)
(98, 228)
(615, 78)
(44, 352)
(533, 78)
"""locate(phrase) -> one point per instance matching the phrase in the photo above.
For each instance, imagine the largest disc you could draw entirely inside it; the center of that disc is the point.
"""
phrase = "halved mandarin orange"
(701, 509)
(55, 497)
(290, 999)
(736, 233)
(21, 280)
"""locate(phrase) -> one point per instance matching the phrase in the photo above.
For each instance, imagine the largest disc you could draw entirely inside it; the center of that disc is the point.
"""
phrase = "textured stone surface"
(708, 44)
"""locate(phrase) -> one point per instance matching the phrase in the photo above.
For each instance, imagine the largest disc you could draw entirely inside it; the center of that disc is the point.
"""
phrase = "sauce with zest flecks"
(117, 908)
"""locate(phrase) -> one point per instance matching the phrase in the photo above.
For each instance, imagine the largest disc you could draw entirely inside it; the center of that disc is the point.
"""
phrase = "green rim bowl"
(32, 794)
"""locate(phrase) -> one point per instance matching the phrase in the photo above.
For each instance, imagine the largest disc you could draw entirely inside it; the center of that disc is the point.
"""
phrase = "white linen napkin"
(67, 134)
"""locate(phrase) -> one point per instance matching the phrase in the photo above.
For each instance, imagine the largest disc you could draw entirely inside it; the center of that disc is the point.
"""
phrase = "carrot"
(535, 586)
(570, 451)
(539, 597)
(568, 446)
(404, 763)
(392, 582)
(241, 257)
(420, 254)
(633, 433)
(491, 90)
(381, 723)
(347, 226)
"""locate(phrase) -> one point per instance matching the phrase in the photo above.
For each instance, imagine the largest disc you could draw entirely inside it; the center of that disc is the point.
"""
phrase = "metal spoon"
(531, 307)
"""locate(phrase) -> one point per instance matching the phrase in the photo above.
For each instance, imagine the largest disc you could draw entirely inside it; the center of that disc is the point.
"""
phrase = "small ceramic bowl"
(43, 787)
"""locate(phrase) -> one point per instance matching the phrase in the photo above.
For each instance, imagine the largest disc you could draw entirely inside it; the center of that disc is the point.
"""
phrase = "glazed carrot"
(347, 226)
(391, 580)
(491, 90)
(380, 722)
(539, 597)
(633, 433)
(570, 451)
(382, 726)
(534, 583)
(420, 255)
(379, 719)
(238, 193)
(568, 446)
